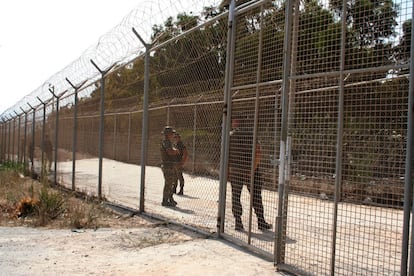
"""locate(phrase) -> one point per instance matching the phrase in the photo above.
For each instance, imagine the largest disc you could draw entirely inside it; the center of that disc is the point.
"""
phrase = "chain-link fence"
(297, 118)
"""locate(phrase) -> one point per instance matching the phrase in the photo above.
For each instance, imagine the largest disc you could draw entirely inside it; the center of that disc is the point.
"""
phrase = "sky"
(40, 38)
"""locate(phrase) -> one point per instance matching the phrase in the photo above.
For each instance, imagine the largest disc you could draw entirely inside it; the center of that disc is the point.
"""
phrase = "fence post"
(129, 136)
(75, 129)
(280, 242)
(18, 136)
(114, 143)
(24, 138)
(4, 139)
(228, 80)
(101, 124)
(339, 139)
(1, 139)
(194, 136)
(9, 140)
(144, 137)
(55, 158)
(3, 131)
(13, 138)
(6, 135)
(409, 163)
(42, 143)
(31, 153)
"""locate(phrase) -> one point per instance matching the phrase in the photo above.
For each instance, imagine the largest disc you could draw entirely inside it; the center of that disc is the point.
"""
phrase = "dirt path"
(125, 251)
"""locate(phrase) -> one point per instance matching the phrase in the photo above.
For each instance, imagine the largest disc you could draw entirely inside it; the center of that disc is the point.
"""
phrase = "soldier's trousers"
(170, 178)
(237, 180)
(180, 179)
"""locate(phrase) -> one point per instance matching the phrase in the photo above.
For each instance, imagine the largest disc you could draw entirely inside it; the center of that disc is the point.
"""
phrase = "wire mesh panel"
(188, 73)
(310, 207)
(251, 193)
(347, 152)
(87, 144)
(373, 175)
(35, 147)
(65, 141)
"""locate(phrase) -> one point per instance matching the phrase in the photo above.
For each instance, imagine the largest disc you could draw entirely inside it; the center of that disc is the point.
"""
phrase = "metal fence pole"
(4, 146)
(339, 138)
(409, 163)
(144, 141)
(101, 123)
(224, 148)
(6, 139)
(24, 138)
(42, 143)
(18, 137)
(3, 131)
(9, 140)
(129, 136)
(1, 139)
(5, 134)
(13, 138)
(55, 158)
(255, 124)
(287, 50)
(114, 142)
(31, 153)
(194, 137)
(75, 129)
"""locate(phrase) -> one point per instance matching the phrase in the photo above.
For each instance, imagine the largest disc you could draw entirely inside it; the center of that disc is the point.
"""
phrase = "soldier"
(181, 159)
(240, 162)
(169, 156)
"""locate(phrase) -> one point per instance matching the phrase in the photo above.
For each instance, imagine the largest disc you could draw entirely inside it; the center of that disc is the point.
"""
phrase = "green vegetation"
(25, 201)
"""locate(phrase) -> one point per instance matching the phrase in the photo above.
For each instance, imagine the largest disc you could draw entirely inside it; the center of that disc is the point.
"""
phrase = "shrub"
(50, 206)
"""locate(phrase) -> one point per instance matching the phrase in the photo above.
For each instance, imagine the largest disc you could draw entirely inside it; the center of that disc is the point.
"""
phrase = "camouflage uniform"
(181, 158)
(168, 166)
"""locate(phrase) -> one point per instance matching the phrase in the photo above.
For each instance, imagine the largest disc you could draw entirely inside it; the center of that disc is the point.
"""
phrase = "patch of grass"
(25, 201)
(12, 166)
(83, 216)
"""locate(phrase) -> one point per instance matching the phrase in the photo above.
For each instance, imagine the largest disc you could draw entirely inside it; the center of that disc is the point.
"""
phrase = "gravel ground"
(147, 250)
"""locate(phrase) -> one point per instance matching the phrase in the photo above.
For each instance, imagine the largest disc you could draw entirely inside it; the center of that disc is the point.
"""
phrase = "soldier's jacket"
(181, 147)
(240, 155)
(167, 160)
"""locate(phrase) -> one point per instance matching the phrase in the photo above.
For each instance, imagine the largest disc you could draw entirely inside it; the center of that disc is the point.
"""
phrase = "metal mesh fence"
(324, 88)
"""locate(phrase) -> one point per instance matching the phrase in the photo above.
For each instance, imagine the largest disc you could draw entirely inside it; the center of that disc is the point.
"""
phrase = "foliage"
(24, 201)
(51, 205)
(12, 166)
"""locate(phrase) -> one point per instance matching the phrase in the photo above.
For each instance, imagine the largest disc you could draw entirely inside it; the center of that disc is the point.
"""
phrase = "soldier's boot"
(239, 224)
(172, 201)
(165, 202)
(181, 192)
(263, 225)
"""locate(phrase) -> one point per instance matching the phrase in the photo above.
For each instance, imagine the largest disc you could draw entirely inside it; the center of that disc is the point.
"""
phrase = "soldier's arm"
(185, 155)
(258, 156)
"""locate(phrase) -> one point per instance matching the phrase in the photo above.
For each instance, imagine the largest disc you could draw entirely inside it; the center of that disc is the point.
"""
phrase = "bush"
(50, 206)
